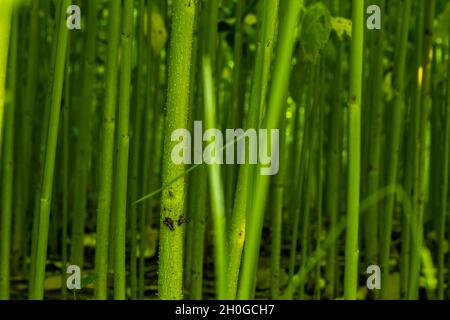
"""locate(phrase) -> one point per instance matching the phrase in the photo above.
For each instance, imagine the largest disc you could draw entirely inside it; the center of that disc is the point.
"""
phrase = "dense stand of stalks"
(88, 142)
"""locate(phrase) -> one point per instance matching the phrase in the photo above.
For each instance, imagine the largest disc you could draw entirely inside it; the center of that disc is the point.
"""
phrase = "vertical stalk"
(83, 145)
(215, 181)
(376, 119)
(354, 138)
(278, 91)
(24, 179)
(139, 101)
(394, 150)
(277, 218)
(107, 148)
(8, 168)
(422, 185)
(170, 280)
(236, 234)
(333, 170)
(60, 47)
(123, 152)
(65, 178)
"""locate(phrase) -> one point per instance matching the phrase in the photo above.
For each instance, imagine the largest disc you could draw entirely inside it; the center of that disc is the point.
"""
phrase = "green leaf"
(315, 31)
(342, 27)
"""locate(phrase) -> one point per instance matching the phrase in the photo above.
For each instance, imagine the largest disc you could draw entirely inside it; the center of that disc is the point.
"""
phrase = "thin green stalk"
(60, 47)
(394, 150)
(170, 280)
(236, 234)
(65, 178)
(414, 148)
(123, 152)
(354, 134)
(24, 177)
(277, 218)
(422, 185)
(320, 185)
(148, 137)
(278, 91)
(311, 176)
(333, 171)
(139, 101)
(107, 148)
(83, 145)
(215, 182)
(376, 127)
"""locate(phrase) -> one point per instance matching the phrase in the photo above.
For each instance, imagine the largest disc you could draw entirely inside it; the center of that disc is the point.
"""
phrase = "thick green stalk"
(170, 280)
(354, 136)
(123, 152)
(60, 48)
(278, 91)
(394, 150)
(107, 148)
(8, 169)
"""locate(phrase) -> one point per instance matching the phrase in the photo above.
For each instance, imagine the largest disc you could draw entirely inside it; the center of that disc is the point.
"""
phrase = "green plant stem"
(134, 179)
(107, 148)
(8, 168)
(244, 192)
(333, 170)
(24, 177)
(123, 152)
(421, 184)
(277, 219)
(394, 153)
(215, 181)
(170, 280)
(83, 146)
(375, 140)
(356, 63)
(65, 179)
(60, 48)
(277, 95)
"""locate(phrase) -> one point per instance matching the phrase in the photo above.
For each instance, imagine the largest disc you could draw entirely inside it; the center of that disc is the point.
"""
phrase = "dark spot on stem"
(168, 222)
